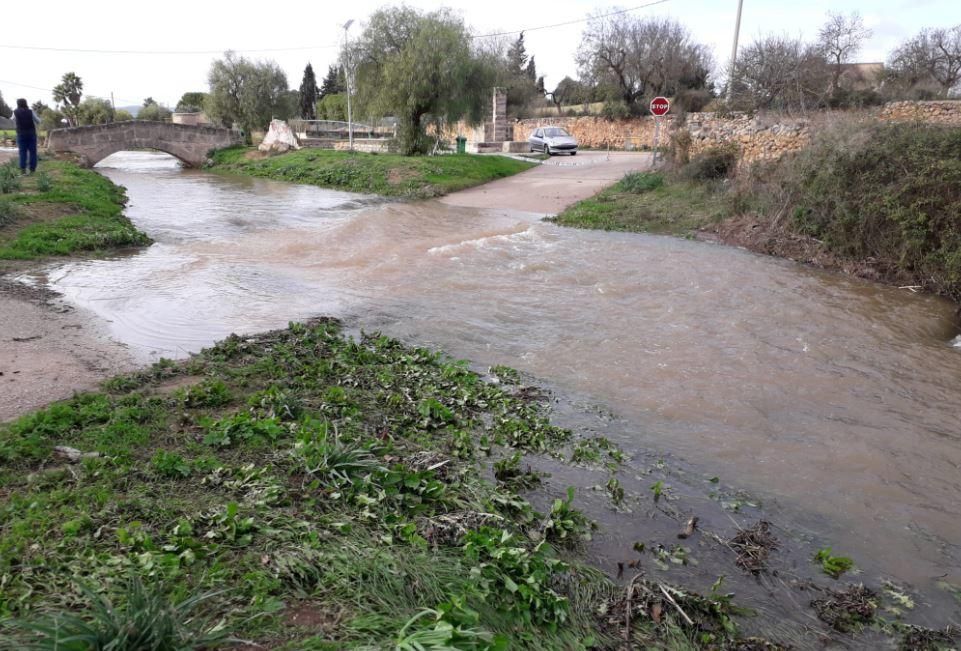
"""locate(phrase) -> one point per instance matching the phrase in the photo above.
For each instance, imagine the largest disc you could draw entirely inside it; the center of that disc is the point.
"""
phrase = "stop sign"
(660, 106)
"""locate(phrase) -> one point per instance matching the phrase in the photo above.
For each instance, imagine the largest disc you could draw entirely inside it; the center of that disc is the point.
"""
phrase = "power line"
(162, 52)
(50, 90)
(574, 22)
(309, 47)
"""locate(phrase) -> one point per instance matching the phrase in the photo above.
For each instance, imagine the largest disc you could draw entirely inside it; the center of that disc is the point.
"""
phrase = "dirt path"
(48, 351)
(554, 185)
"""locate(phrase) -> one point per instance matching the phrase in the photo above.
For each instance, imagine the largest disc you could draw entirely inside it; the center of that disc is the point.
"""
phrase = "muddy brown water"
(833, 397)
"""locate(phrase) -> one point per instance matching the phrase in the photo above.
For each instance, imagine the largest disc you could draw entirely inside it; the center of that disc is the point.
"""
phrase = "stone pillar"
(499, 115)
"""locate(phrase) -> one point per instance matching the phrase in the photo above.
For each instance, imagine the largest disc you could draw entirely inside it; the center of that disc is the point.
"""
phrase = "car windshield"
(555, 132)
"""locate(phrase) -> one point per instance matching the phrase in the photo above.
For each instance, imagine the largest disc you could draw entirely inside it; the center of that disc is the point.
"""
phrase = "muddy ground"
(48, 350)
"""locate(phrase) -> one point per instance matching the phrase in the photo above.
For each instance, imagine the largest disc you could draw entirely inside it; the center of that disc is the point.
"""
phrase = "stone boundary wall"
(943, 112)
(758, 137)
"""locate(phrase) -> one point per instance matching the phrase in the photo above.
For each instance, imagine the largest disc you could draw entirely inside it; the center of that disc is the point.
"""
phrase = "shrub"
(891, 192)
(681, 147)
(615, 110)
(44, 183)
(8, 213)
(712, 164)
(692, 100)
(9, 178)
(640, 182)
(148, 620)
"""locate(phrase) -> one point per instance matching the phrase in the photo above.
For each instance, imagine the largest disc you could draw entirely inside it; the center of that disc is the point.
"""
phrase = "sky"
(165, 49)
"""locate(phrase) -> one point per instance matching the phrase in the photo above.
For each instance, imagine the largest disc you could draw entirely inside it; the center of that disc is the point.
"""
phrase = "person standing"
(26, 135)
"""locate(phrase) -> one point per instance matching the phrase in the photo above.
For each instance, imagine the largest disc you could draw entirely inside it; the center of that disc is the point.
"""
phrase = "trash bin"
(461, 145)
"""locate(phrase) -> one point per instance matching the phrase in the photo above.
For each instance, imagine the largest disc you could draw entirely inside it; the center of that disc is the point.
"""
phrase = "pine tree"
(308, 94)
(334, 82)
(517, 55)
(531, 70)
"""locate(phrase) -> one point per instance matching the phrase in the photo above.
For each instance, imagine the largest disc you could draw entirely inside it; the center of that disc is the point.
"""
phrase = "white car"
(552, 140)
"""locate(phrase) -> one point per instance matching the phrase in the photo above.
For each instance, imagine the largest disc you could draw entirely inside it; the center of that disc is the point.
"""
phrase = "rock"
(72, 455)
(280, 138)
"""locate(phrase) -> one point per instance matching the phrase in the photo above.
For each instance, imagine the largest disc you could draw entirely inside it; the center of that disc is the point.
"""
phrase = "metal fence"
(337, 130)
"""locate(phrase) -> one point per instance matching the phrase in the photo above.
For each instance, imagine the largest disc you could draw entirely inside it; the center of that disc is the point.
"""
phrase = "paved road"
(554, 185)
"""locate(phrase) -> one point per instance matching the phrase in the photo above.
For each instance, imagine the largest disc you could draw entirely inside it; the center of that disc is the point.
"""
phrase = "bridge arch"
(190, 144)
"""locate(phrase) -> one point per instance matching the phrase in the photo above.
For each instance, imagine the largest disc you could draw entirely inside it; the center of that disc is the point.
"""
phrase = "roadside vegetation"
(62, 209)
(304, 490)
(879, 200)
(384, 174)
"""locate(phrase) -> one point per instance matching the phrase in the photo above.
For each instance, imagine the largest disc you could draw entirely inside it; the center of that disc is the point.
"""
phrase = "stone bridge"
(191, 144)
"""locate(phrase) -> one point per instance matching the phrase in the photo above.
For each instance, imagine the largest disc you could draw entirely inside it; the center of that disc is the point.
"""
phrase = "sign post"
(659, 108)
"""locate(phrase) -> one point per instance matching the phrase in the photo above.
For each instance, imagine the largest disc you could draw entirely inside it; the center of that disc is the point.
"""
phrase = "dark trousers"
(28, 146)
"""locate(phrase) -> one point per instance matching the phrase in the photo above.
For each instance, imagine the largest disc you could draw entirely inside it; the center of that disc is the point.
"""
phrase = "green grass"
(384, 174)
(302, 490)
(65, 209)
(649, 203)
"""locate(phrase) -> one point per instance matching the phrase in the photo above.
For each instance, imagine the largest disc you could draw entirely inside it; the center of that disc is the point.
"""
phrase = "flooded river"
(818, 392)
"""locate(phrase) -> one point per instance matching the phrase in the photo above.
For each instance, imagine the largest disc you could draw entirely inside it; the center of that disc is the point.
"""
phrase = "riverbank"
(306, 489)
(50, 350)
(390, 175)
(61, 210)
(301, 489)
(879, 201)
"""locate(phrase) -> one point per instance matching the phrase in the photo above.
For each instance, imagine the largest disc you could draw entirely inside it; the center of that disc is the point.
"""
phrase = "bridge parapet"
(190, 143)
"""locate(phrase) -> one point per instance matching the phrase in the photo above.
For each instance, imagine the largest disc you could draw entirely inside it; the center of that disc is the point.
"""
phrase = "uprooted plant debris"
(918, 638)
(647, 611)
(753, 546)
(847, 610)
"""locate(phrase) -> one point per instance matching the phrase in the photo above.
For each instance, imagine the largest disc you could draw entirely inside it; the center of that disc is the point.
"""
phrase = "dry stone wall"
(945, 112)
(758, 137)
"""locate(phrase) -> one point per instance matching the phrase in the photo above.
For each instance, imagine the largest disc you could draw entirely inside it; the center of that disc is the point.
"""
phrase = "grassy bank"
(384, 174)
(649, 203)
(61, 210)
(302, 490)
(879, 200)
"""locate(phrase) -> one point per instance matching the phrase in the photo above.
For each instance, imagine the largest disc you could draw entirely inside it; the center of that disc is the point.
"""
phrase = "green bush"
(8, 213)
(44, 182)
(712, 164)
(9, 178)
(640, 182)
(891, 192)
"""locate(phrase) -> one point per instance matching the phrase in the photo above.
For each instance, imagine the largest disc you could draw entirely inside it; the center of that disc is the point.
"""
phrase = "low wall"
(944, 112)
(597, 133)
(758, 137)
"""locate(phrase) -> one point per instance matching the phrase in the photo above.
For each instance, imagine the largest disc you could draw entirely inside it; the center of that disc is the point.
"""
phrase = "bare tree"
(840, 39)
(779, 72)
(642, 57)
(933, 57)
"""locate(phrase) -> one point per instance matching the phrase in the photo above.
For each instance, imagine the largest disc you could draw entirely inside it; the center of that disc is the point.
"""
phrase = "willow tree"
(245, 92)
(420, 68)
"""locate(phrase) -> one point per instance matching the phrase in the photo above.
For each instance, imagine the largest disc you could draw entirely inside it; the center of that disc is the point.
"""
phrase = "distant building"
(193, 119)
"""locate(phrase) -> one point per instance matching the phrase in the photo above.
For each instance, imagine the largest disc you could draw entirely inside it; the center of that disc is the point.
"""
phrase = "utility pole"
(350, 119)
(737, 31)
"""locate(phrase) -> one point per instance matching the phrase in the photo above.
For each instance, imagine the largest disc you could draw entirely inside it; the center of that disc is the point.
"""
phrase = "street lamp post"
(737, 32)
(350, 119)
